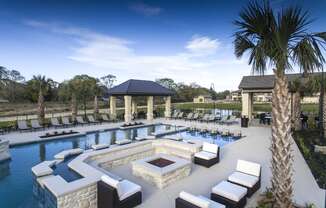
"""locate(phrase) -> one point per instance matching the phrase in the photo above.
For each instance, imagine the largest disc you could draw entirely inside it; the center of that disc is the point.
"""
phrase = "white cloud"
(203, 45)
(199, 62)
(145, 9)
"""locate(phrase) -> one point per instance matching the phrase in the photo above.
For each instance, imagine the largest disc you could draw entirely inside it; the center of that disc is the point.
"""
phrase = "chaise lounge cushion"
(126, 188)
(194, 200)
(212, 204)
(243, 179)
(212, 148)
(248, 168)
(230, 191)
(205, 155)
(110, 181)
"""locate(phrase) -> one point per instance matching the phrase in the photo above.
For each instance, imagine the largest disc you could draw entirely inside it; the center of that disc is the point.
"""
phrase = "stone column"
(150, 104)
(127, 108)
(133, 107)
(168, 107)
(113, 107)
(247, 104)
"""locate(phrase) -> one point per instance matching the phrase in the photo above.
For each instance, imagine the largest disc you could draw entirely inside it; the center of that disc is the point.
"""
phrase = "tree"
(13, 81)
(108, 80)
(168, 83)
(296, 88)
(280, 40)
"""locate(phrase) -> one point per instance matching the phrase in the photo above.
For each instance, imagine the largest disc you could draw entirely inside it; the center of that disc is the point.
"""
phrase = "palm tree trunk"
(296, 109)
(96, 110)
(281, 144)
(324, 114)
(73, 106)
(40, 108)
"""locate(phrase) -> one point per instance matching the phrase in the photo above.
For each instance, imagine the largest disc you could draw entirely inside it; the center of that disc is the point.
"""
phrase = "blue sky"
(188, 41)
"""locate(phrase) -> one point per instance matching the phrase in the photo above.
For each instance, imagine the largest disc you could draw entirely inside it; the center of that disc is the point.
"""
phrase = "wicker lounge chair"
(117, 194)
(55, 122)
(209, 156)
(248, 175)
(187, 200)
(66, 122)
(36, 124)
(232, 195)
(22, 125)
(80, 120)
(92, 120)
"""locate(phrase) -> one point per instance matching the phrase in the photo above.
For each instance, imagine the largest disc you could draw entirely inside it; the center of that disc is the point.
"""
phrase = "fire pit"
(161, 170)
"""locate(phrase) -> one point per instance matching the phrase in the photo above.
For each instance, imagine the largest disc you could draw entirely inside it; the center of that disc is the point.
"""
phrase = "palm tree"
(296, 89)
(280, 40)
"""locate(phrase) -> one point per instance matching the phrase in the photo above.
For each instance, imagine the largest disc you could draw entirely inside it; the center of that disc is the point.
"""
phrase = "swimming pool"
(16, 176)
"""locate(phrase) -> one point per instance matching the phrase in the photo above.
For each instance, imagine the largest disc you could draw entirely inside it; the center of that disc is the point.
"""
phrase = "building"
(203, 99)
(235, 95)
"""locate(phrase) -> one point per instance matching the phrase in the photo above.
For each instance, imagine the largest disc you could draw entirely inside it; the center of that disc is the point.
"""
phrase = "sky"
(188, 41)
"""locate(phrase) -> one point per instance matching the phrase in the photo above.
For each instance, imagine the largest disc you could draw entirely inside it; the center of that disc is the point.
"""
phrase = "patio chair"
(187, 200)
(55, 122)
(231, 120)
(189, 116)
(204, 118)
(211, 118)
(230, 194)
(66, 122)
(248, 175)
(223, 120)
(36, 124)
(225, 132)
(175, 115)
(180, 115)
(80, 120)
(22, 125)
(105, 118)
(195, 117)
(117, 194)
(209, 156)
(92, 120)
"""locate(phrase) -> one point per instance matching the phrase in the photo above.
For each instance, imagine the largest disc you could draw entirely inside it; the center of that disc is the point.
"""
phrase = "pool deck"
(253, 147)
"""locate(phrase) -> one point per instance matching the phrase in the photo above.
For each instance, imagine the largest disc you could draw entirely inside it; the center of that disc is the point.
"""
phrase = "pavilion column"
(168, 107)
(127, 108)
(113, 107)
(247, 104)
(133, 107)
(150, 104)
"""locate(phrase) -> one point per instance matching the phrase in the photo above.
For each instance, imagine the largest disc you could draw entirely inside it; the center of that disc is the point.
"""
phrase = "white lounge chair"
(187, 200)
(248, 175)
(91, 119)
(66, 122)
(80, 120)
(209, 156)
(55, 122)
(22, 125)
(195, 117)
(189, 116)
(36, 124)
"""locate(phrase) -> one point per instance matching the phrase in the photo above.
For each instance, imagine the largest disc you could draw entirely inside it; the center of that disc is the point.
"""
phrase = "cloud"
(145, 9)
(202, 45)
(199, 62)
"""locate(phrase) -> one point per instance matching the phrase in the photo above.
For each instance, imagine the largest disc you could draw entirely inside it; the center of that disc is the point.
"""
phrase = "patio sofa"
(247, 174)
(209, 155)
(117, 194)
(187, 200)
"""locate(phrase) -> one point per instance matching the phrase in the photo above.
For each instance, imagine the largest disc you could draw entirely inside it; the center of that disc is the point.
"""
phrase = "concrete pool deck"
(253, 147)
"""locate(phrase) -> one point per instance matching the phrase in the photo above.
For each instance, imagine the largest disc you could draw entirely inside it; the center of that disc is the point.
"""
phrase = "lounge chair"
(22, 125)
(195, 117)
(223, 120)
(66, 122)
(209, 156)
(36, 124)
(55, 122)
(180, 115)
(92, 120)
(187, 200)
(175, 115)
(80, 120)
(230, 194)
(231, 120)
(204, 118)
(248, 175)
(225, 132)
(114, 193)
(211, 118)
(105, 118)
(189, 116)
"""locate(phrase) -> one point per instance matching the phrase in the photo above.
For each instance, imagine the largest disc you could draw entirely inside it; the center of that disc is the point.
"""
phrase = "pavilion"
(133, 88)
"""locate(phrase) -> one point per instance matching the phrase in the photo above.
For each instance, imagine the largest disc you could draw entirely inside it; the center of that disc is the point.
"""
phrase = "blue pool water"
(16, 176)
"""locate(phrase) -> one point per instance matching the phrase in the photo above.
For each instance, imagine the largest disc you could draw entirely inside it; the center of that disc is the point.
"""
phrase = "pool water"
(207, 137)
(16, 176)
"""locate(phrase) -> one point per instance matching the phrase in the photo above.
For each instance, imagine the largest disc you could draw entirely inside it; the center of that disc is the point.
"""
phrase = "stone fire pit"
(161, 170)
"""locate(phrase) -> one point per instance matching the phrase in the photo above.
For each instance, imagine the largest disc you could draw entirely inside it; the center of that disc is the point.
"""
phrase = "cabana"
(133, 88)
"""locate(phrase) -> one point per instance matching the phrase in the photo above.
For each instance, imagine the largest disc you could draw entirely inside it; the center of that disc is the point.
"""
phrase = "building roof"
(140, 88)
(264, 82)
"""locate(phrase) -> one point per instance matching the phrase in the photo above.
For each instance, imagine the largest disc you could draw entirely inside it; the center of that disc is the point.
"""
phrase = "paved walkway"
(254, 147)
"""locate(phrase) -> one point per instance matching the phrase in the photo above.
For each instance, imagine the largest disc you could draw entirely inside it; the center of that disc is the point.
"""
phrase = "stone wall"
(4, 150)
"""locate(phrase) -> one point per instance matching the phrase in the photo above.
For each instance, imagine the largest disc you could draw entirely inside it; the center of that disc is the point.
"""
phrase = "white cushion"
(100, 146)
(194, 200)
(205, 155)
(123, 141)
(208, 147)
(230, 191)
(126, 189)
(248, 167)
(243, 179)
(110, 181)
(212, 204)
